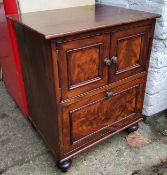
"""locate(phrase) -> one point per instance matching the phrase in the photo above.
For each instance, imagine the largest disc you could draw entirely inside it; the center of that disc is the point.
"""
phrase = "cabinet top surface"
(62, 22)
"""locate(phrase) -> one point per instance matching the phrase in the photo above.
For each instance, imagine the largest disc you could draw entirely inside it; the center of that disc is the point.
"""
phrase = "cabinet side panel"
(36, 61)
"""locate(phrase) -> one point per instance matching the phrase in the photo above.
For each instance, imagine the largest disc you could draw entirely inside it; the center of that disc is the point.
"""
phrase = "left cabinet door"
(81, 64)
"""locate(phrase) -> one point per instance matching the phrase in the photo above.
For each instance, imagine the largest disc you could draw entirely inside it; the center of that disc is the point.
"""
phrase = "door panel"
(82, 64)
(128, 48)
(101, 114)
(128, 52)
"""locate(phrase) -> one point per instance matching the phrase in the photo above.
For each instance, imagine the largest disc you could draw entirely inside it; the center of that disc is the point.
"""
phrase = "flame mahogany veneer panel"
(82, 64)
(99, 114)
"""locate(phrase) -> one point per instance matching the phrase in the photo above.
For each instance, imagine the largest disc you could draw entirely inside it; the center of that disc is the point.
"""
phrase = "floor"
(22, 152)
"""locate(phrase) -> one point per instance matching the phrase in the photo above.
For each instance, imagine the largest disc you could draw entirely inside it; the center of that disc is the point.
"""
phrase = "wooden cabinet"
(84, 79)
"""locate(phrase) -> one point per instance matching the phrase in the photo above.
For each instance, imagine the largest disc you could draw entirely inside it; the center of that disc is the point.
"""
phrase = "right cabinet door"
(129, 52)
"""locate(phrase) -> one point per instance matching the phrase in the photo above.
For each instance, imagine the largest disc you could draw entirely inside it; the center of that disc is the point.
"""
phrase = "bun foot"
(133, 128)
(64, 166)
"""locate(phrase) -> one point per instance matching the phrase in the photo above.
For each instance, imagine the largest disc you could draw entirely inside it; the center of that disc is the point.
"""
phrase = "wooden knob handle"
(114, 59)
(107, 61)
(109, 94)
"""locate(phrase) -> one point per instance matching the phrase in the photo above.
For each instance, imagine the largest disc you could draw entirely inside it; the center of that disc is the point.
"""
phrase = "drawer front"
(129, 52)
(101, 114)
(81, 64)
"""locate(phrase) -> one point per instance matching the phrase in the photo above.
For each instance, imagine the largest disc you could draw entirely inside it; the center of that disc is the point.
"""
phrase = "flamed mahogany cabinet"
(84, 71)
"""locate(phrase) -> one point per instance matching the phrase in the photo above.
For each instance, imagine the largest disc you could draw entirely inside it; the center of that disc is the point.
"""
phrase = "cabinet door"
(81, 64)
(99, 116)
(129, 52)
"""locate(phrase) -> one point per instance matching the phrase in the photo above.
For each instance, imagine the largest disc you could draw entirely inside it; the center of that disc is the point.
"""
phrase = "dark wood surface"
(83, 88)
(130, 46)
(100, 114)
(36, 62)
(61, 22)
(82, 64)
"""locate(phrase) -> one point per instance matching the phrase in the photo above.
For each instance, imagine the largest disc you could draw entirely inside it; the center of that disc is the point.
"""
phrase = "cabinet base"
(133, 128)
(64, 166)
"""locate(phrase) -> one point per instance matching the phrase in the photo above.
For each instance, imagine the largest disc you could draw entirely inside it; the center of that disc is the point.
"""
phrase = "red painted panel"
(5, 48)
(9, 57)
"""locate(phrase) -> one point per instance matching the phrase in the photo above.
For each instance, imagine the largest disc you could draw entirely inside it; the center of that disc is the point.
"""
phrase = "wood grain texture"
(79, 19)
(102, 113)
(98, 115)
(131, 49)
(68, 84)
(81, 64)
(36, 61)
(129, 52)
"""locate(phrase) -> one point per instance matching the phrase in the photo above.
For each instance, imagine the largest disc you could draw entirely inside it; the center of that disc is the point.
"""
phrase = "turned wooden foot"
(133, 128)
(64, 166)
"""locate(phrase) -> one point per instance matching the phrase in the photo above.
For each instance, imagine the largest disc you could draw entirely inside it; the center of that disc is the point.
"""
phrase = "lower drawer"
(97, 116)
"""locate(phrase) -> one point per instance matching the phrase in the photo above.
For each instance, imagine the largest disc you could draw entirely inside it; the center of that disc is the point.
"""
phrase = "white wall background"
(40, 5)
(156, 90)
